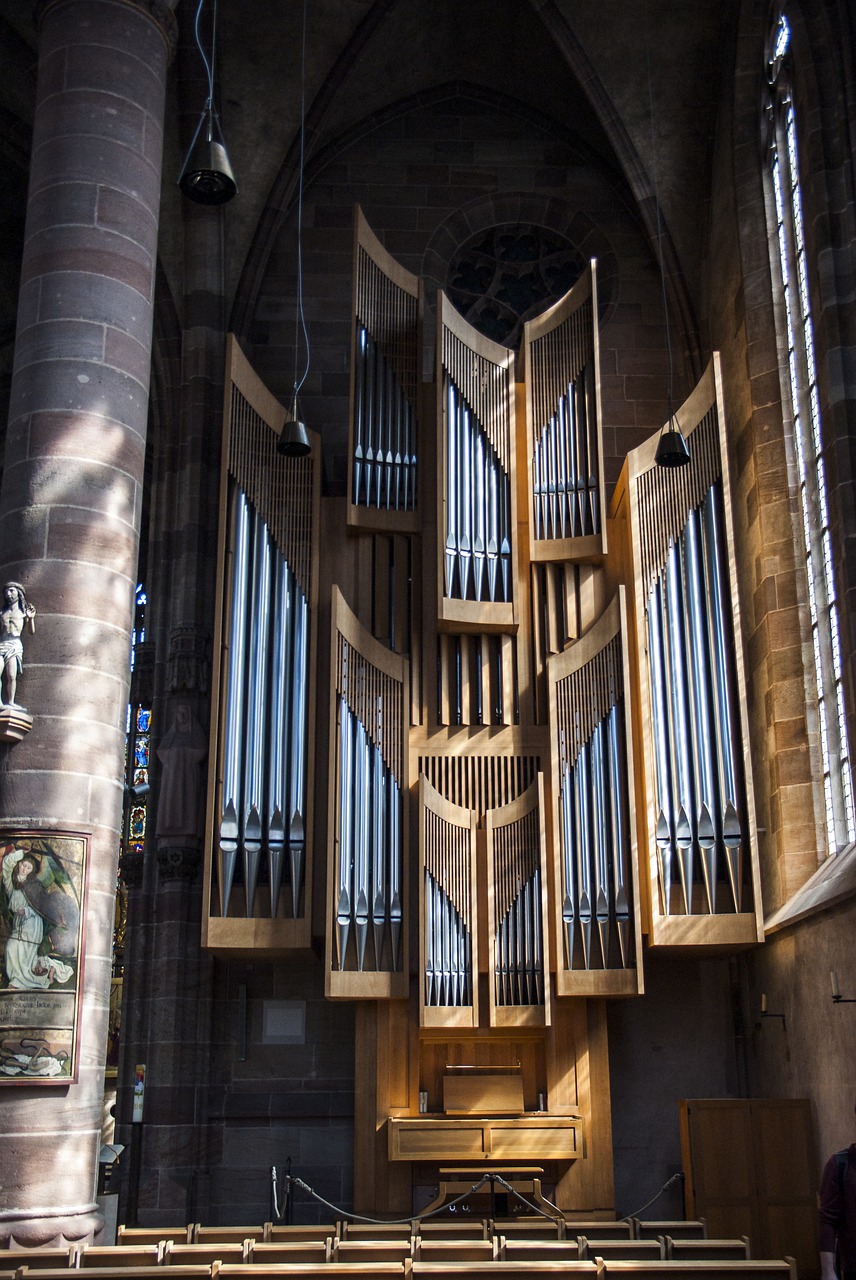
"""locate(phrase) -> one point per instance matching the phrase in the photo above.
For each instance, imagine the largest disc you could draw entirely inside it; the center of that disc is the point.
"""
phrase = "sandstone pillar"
(69, 522)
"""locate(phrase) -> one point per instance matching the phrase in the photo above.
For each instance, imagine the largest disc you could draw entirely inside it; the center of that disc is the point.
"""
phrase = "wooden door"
(750, 1170)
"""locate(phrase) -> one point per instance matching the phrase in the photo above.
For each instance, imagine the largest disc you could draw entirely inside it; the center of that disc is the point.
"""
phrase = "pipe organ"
(535, 719)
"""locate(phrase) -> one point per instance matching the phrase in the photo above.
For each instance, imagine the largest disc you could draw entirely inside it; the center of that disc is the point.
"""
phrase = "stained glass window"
(810, 460)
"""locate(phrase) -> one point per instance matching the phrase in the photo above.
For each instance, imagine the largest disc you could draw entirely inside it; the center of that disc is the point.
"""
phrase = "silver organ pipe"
(385, 379)
(593, 798)
(560, 349)
(447, 905)
(229, 833)
(278, 754)
(255, 733)
(727, 721)
(367, 901)
(476, 508)
(265, 728)
(695, 727)
(517, 926)
(298, 734)
(262, 726)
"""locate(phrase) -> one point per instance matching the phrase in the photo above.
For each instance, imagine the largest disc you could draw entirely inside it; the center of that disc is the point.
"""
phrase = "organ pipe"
(516, 883)
(566, 486)
(693, 687)
(265, 729)
(476, 488)
(366, 901)
(385, 378)
(448, 911)
(262, 738)
(596, 913)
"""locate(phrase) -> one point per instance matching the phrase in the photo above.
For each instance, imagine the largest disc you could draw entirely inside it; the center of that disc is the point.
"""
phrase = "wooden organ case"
(527, 767)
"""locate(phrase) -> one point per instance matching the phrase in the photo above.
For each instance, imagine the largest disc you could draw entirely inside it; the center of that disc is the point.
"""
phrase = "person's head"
(24, 870)
(15, 594)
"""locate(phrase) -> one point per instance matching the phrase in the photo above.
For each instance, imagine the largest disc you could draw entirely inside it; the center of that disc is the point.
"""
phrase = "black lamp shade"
(207, 176)
(672, 448)
(294, 440)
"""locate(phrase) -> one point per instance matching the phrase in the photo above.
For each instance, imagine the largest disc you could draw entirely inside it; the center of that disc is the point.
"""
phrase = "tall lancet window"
(784, 160)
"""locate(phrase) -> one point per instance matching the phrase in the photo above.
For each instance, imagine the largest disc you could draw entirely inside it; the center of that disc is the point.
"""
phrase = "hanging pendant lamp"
(672, 448)
(294, 438)
(206, 176)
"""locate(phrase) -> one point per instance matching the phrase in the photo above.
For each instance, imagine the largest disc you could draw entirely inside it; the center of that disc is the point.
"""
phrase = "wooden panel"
(553, 1140)
(699, 837)
(785, 1164)
(384, 1080)
(566, 492)
(425, 1138)
(482, 1094)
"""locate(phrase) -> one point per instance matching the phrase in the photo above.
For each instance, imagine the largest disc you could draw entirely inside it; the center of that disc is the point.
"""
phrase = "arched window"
(791, 266)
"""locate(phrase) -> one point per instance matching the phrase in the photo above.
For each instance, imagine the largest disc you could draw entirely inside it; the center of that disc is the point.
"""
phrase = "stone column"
(69, 523)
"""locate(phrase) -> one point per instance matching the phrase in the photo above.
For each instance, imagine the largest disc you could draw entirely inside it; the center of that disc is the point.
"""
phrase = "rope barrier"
(676, 1177)
(494, 1179)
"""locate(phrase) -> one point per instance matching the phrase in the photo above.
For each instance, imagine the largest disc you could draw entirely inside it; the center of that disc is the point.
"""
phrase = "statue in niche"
(16, 612)
(181, 752)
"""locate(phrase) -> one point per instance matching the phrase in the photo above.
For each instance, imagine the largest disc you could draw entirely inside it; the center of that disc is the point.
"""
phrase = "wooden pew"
(446, 1229)
(121, 1256)
(292, 1231)
(153, 1235)
(37, 1259)
(677, 1228)
(735, 1269)
(309, 1253)
(504, 1270)
(225, 1235)
(351, 1251)
(621, 1229)
(376, 1231)
(706, 1250)
(614, 1250)
(538, 1250)
(109, 1273)
(203, 1254)
(534, 1228)
(455, 1251)
(297, 1271)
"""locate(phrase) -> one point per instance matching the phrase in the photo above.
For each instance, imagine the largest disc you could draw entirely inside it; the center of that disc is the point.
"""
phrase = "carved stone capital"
(178, 862)
(188, 667)
(131, 869)
(159, 11)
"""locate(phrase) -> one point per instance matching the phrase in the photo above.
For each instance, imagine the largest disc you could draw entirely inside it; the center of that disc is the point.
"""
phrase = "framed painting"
(42, 897)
